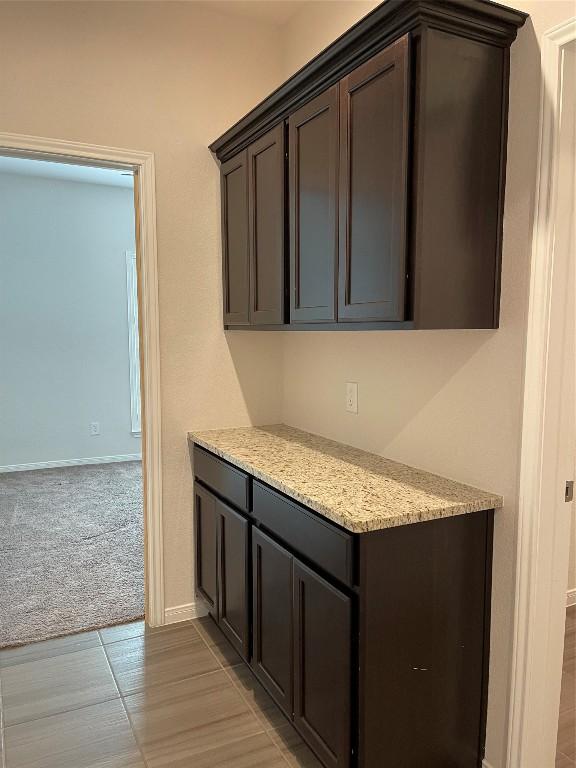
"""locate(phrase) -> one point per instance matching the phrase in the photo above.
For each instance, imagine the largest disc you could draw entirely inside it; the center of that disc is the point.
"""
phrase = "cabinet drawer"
(229, 483)
(321, 542)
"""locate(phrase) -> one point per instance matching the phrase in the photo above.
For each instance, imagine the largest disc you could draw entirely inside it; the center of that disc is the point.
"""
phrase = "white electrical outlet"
(352, 397)
(94, 428)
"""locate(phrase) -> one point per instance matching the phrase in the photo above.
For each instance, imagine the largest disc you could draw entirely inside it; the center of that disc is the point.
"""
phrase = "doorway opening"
(81, 516)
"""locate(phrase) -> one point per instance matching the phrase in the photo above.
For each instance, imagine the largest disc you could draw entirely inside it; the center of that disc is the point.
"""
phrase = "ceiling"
(66, 172)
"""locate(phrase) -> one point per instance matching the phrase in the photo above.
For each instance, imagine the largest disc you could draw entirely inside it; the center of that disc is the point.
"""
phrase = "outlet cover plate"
(352, 397)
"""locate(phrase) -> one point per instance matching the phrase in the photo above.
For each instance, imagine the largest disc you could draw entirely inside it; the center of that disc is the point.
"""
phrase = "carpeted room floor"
(71, 550)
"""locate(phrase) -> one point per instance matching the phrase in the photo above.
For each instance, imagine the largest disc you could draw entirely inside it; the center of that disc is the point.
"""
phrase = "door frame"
(142, 164)
(548, 439)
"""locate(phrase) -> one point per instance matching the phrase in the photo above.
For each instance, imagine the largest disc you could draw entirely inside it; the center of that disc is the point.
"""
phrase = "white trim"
(548, 438)
(185, 612)
(570, 598)
(486, 764)
(142, 164)
(69, 462)
(133, 341)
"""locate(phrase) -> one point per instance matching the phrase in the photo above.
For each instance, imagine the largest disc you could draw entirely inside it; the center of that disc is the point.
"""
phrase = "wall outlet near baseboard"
(94, 428)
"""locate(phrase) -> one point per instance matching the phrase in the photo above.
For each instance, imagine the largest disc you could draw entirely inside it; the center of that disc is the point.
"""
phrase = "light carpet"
(71, 550)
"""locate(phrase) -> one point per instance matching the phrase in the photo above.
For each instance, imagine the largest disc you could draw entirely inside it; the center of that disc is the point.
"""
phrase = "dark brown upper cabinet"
(373, 181)
(393, 182)
(313, 154)
(235, 251)
(253, 217)
(266, 227)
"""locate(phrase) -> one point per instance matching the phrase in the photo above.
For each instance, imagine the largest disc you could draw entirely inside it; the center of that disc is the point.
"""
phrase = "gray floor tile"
(49, 648)
(57, 684)
(98, 736)
(173, 723)
(159, 658)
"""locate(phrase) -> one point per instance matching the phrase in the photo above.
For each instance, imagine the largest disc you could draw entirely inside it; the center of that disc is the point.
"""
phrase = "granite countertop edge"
(376, 521)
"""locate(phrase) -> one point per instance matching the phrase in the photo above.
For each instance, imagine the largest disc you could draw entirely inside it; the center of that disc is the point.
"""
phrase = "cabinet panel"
(272, 618)
(266, 218)
(373, 185)
(233, 571)
(313, 136)
(322, 666)
(206, 534)
(235, 240)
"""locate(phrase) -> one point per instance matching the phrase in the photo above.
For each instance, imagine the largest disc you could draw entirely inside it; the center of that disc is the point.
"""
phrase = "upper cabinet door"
(266, 217)
(373, 187)
(313, 136)
(235, 240)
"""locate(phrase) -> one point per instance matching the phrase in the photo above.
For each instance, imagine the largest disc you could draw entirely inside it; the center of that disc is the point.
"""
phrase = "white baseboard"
(184, 612)
(486, 764)
(571, 598)
(70, 462)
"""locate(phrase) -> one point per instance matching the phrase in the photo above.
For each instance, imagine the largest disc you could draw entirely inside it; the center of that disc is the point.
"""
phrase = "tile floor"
(566, 748)
(130, 697)
(174, 697)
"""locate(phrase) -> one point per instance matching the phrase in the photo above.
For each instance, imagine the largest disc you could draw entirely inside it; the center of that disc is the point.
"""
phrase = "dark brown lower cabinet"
(322, 663)
(302, 648)
(206, 537)
(272, 621)
(233, 571)
(375, 645)
(222, 566)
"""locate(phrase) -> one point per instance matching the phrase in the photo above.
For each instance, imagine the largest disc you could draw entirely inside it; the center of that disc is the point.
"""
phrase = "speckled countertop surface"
(358, 490)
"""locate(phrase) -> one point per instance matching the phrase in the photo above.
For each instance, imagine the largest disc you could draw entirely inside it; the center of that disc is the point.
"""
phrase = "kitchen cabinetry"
(206, 537)
(373, 187)
(313, 154)
(253, 233)
(322, 662)
(235, 251)
(222, 566)
(272, 627)
(374, 644)
(395, 171)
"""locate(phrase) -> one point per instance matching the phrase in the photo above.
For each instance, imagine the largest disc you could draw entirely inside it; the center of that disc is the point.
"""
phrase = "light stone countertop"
(358, 490)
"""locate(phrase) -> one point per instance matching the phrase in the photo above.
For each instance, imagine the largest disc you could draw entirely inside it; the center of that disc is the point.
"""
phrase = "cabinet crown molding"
(476, 19)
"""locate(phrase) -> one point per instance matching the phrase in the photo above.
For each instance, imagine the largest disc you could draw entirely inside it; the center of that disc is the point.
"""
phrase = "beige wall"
(449, 402)
(168, 78)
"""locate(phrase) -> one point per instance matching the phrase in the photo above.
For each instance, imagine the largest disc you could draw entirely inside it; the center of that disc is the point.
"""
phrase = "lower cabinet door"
(322, 666)
(206, 538)
(272, 618)
(233, 569)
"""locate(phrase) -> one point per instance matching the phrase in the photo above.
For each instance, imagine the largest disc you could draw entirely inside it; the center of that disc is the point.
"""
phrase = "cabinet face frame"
(391, 62)
(238, 165)
(274, 142)
(326, 103)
